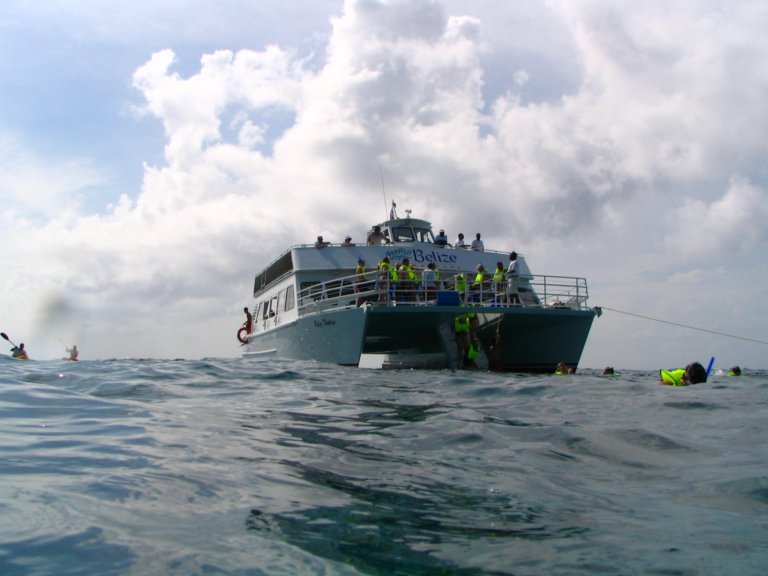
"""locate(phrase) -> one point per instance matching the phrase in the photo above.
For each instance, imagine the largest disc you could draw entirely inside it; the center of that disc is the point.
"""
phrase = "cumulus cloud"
(734, 223)
(267, 148)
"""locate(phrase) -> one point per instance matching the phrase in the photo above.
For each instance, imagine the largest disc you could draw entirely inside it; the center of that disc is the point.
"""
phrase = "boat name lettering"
(324, 322)
(421, 256)
(433, 256)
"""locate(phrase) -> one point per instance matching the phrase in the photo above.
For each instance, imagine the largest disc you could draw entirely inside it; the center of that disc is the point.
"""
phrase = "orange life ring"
(242, 335)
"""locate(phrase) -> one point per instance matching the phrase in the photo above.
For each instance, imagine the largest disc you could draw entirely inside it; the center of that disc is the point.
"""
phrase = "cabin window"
(274, 271)
(264, 306)
(273, 306)
(290, 300)
(424, 235)
(402, 234)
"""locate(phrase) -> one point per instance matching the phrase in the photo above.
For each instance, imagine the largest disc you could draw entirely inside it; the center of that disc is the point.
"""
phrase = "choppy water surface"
(243, 467)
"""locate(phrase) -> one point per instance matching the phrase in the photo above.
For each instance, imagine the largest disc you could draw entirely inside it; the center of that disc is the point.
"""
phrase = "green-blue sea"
(230, 466)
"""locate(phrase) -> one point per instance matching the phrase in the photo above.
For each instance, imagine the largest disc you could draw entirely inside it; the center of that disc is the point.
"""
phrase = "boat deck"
(370, 289)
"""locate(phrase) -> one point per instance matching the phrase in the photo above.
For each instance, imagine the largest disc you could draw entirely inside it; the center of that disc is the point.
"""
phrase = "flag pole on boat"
(383, 191)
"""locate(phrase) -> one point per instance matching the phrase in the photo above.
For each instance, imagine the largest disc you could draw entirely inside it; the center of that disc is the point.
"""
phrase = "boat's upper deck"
(398, 239)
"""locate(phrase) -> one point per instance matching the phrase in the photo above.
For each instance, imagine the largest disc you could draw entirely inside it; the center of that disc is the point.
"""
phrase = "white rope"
(685, 326)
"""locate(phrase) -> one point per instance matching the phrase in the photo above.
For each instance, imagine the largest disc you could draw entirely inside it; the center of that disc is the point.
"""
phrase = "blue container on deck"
(447, 298)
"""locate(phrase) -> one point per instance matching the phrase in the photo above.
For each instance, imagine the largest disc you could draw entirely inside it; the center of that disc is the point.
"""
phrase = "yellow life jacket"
(461, 324)
(673, 377)
(498, 276)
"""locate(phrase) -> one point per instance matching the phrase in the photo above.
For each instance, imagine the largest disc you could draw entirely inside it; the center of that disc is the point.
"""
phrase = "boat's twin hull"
(512, 339)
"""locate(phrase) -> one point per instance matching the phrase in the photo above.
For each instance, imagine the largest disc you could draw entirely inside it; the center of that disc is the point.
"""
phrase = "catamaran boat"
(338, 303)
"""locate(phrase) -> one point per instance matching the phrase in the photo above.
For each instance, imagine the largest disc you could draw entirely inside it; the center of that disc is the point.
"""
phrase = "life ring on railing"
(242, 335)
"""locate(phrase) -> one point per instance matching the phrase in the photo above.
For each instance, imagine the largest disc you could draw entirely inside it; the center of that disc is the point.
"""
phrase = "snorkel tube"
(709, 368)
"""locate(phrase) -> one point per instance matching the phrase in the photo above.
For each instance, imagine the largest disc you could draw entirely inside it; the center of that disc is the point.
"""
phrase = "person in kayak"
(19, 352)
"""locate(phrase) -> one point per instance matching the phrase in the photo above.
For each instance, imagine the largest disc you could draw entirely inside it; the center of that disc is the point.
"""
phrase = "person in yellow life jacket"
(499, 283)
(474, 325)
(482, 283)
(461, 336)
(385, 271)
(360, 275)
(694, 373)
(460, 284)
(562, 368)
(362, 281)
(734, 371)
(409, 281)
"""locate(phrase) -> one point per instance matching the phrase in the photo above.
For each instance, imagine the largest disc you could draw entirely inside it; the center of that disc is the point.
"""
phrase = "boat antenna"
(383, 191)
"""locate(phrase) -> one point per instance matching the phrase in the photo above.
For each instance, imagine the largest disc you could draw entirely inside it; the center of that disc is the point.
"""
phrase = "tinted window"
(290, 301)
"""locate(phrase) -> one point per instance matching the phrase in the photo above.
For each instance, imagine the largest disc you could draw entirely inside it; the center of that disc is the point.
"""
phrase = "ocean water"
(229, 466)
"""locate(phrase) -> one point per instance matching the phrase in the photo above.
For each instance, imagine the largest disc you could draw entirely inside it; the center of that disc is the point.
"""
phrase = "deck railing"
(376, 289)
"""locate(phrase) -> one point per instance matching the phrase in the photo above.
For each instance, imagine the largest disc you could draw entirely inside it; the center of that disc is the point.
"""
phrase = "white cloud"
(33, 185)
(734, 223)
(267, 147)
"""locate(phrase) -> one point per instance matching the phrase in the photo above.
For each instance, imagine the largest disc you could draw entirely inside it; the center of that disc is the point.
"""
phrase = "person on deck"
(459, 241)
(498, 283)
(482, 284)
(385, 279)
(376, 237)
(514, 298)
(460, 285)
(694, 373)
(430, 280)
(73, 352)
(441, 239)
(348, 241)
(477, 244)
(362, 282)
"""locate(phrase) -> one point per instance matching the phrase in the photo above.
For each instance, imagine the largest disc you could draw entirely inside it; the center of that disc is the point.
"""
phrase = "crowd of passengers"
(376, 237)
(403, 282)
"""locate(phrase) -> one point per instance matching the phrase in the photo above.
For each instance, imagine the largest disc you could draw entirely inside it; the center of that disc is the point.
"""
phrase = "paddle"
(5, 337)
(709, 368)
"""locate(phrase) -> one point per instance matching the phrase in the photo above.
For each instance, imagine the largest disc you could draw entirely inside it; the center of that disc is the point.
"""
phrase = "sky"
(155, 155)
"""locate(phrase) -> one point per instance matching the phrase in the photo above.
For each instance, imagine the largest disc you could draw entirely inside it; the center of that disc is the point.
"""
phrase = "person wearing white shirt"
(477, 244)
(512, 279)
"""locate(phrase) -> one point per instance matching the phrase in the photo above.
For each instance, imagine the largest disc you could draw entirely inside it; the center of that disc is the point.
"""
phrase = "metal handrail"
(376, 289)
